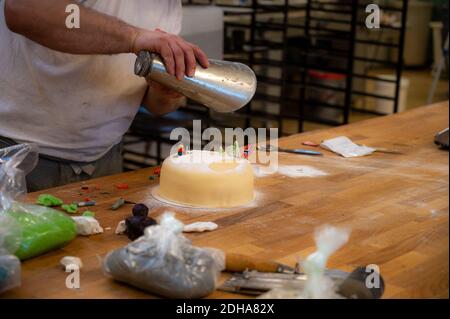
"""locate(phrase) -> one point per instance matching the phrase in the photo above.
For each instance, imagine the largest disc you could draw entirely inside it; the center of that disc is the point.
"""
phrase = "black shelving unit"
(327, 41)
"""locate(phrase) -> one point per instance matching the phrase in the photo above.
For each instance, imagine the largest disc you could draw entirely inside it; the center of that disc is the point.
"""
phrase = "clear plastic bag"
(15, 163)
(39, 229)
(318, 284)
(9, 264)
(165, 263)
(328, 240)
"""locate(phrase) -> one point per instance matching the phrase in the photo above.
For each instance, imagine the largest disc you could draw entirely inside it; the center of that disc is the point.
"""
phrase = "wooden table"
(397, 207)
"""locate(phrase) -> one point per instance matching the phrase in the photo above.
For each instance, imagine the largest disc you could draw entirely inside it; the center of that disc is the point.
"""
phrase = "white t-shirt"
(75, 107)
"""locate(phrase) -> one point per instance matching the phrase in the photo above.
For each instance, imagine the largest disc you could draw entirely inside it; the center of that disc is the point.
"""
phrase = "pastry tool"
(299, 151)
(241, 263)
(255, 283)
(383, 150)
(387, 151)
(442, 139)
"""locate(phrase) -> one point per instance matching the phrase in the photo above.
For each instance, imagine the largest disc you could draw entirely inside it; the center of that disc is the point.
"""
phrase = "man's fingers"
(167, 55)
(201, 56)
(178, 54)
(189, 56)
(180, 57)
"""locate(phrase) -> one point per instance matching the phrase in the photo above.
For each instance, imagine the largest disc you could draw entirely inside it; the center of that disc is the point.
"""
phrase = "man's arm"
(43, 21)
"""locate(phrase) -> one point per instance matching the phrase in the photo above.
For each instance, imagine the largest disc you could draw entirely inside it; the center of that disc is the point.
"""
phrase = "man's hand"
(161, 100)
(164, 91)
(179, 56)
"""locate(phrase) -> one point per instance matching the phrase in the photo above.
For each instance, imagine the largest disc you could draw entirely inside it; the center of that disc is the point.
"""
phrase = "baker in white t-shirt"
(73, 91)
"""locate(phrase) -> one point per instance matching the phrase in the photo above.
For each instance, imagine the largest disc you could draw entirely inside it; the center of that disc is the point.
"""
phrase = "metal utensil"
(240, 263)
(299, 151)
(349, 285)
(223, 87)
(383, 150)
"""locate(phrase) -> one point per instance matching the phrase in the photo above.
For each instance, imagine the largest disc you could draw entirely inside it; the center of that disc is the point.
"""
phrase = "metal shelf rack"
(328, 34)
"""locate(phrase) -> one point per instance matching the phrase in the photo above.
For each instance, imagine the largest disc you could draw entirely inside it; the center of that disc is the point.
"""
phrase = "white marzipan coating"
(207, 179)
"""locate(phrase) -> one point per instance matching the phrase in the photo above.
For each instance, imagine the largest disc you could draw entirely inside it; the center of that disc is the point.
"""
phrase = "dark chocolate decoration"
(140, 210)
(136, 226)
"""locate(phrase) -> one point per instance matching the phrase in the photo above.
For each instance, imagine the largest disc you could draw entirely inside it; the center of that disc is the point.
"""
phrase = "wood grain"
(396, 206)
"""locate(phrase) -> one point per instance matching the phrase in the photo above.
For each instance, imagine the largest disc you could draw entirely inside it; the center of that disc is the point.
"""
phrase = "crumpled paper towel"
(344, 146)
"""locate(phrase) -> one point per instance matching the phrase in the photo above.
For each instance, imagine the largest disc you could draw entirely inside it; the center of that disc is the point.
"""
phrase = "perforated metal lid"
(143, 64)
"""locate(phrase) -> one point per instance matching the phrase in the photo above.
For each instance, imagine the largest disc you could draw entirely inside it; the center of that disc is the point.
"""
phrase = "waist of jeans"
(10, 142)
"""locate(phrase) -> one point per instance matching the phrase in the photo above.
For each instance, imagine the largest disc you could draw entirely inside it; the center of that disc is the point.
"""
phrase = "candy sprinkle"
(88, 214)
(309, 143)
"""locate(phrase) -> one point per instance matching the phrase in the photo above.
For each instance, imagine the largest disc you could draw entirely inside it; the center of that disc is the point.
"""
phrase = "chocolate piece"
(140, 210)
(136, 225)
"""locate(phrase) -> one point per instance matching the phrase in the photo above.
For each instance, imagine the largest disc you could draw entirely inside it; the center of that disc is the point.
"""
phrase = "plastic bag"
(328, 240)
(318, 285)
(40, 229)
(9, 264)
(15, 163)
(165, 263)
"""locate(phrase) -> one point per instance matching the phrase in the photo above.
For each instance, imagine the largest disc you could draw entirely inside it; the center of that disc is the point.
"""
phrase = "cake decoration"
(181, 150)
(207, 179)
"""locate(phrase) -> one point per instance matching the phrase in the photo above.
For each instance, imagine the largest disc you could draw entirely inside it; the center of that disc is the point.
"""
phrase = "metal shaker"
(223, 87)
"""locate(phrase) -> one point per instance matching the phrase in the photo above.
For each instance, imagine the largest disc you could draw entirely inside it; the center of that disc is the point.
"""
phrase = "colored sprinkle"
(84, 204)
(181, 150)
(309, 143)
(117, 204)
(88, 214)
(71, 208)
(122, 186)
(49, 200)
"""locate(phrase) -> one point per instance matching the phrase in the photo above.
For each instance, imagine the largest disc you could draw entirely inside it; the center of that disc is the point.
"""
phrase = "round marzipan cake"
(206, 179)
